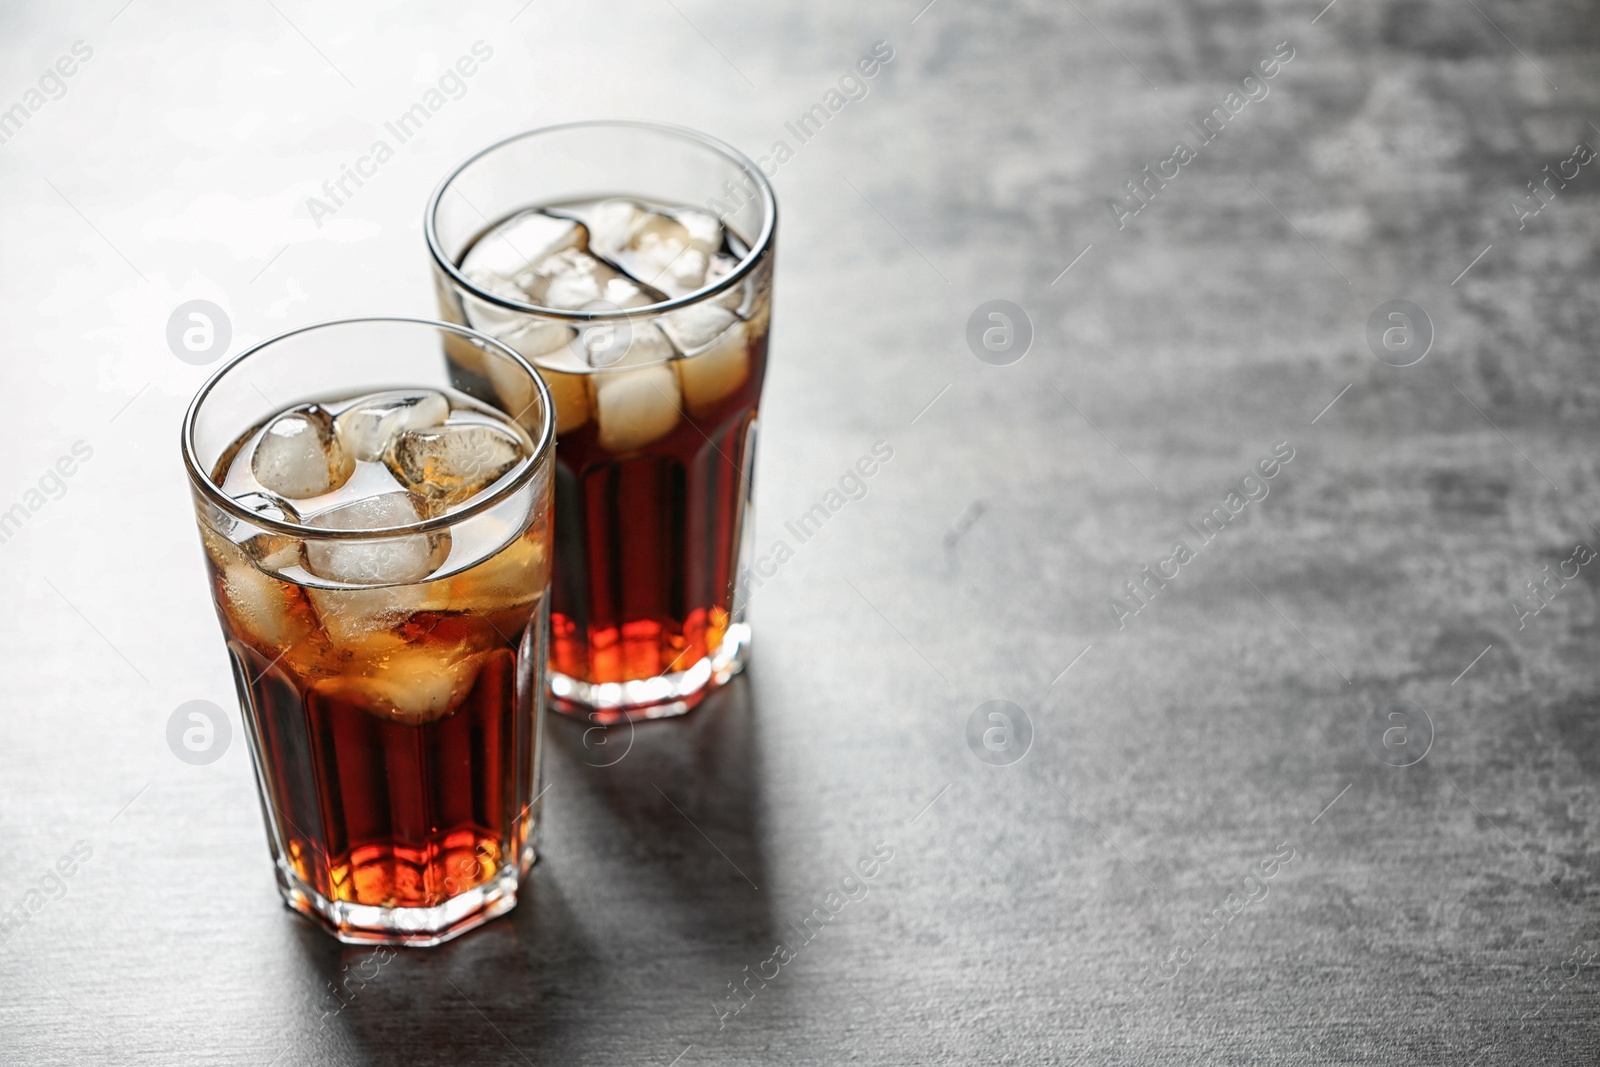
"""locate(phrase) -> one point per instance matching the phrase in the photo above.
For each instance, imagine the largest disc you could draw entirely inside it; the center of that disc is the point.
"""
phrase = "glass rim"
(758, 248)
(200, 479)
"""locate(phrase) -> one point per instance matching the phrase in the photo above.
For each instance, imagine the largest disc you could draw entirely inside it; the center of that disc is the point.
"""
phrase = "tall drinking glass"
(379, 549)
(631, 263)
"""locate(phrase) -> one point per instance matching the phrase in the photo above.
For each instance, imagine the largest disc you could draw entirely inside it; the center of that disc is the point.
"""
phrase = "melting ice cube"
(568, 280)
(721, 266)
(514, 246)
(393, 560)
(273, 551)
(450, 464)
(635, 407)
(369, 426)
(716, 354)
(299, 454)
(666, 251)
(261, 608)
(545, 345)
(406, 682)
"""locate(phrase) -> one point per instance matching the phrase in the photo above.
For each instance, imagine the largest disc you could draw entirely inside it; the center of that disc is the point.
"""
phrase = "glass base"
(663, 696)
(363, 924)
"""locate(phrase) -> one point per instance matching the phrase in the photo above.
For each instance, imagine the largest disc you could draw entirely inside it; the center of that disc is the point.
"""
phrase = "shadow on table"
(648, 898)
(676, 800)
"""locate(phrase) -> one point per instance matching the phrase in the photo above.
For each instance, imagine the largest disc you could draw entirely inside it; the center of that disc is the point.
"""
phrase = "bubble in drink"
(450, 464)
(299, 454)
(368, 427)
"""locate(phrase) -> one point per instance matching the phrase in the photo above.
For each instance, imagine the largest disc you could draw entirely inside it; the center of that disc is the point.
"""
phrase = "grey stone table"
(1220, 844)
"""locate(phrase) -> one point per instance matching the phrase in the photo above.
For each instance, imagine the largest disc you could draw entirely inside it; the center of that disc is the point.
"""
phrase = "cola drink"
(656, 414)
(631, 264)
(380, 564)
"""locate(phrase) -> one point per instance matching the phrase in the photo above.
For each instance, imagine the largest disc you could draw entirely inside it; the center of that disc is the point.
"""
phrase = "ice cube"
(668, 263)
(405, 682)
(492, 319)
(266, 612)
(635, 407)
(717, 370)
(705, 232)
(721, 266)
(511, 248)
(369, 426)
(450, 464)
(695, 327)
(717, 355)
(611, 223)
(568, 280)
(393, 560)
(353, 617)
(273, 551)
(510, 578)
(622, 344)
(621, 292)
(269, 506)
(299, 454)
(544, 344)
(666, 251)
(534, 337)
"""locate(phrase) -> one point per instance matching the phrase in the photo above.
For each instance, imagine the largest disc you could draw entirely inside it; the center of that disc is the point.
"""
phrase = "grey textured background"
(1438, 913)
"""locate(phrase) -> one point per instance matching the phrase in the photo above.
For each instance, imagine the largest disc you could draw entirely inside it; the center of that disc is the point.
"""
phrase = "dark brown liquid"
(647, 533)
(401, 802)
(647, 543)
(385, 813)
